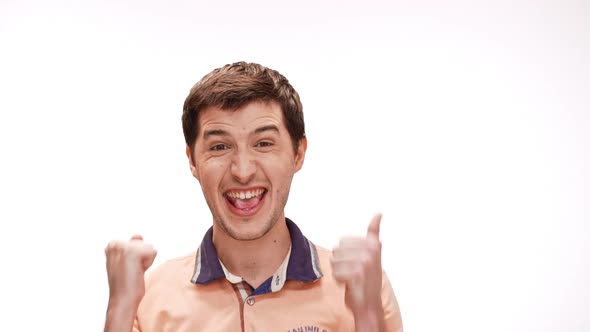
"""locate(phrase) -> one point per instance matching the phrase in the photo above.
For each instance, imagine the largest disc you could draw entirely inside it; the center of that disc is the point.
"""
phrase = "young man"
(254, 271)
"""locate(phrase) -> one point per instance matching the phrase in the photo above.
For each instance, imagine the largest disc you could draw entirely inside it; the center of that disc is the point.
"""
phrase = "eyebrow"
(266, 128)
(214, 132)
(220, 132)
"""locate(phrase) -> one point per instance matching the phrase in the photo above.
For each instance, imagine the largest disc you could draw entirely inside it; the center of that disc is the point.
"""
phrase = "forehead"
(245, 117)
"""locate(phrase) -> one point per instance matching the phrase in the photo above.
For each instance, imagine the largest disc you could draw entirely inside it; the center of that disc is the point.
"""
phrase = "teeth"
(245, 194)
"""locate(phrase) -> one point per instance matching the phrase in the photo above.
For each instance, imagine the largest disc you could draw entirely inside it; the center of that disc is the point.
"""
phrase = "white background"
(466, 124)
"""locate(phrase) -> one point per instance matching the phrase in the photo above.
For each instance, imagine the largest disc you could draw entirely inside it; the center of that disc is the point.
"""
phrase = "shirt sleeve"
(393, 319)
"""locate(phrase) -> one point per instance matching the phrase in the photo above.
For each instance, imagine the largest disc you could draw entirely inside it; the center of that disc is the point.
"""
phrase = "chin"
(247, 229)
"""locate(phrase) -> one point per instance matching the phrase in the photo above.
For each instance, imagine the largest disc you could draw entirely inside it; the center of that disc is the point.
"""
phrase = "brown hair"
(237, 84)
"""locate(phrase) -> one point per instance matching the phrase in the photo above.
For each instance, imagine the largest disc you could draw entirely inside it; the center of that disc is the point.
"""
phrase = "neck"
(255, 260)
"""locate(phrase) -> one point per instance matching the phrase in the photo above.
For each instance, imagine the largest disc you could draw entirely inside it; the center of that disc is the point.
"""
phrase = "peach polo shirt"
(196, 293)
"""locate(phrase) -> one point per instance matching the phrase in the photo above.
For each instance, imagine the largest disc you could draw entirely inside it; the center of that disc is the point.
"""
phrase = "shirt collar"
(301, 264)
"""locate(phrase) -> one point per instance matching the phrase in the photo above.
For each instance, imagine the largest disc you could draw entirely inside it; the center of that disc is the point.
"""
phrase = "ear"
(192, 164)
(300, 154)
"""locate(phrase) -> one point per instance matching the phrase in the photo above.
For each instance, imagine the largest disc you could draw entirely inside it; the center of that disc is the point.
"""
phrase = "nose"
(243, 167)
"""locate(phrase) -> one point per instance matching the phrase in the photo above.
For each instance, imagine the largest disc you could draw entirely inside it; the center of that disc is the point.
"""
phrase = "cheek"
(212, 170)
(279, 171)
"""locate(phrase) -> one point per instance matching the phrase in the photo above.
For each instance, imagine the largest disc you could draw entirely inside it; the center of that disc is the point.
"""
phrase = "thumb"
(374, 226)
(149, 255)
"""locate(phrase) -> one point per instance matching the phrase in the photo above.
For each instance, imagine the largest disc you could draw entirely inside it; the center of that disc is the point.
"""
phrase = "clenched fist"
(356, 262)
(127, 262)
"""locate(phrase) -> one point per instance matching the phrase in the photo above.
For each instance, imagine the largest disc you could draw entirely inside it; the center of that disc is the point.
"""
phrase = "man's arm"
(392, 313)
(126, 266)
(371, 319)
(381, 317)
(120, 317)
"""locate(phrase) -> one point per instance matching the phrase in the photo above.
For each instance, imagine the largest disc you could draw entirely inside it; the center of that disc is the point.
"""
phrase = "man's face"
(245, 162)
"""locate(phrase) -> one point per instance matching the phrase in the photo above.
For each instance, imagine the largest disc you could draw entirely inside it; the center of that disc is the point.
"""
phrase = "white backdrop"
(465, 123)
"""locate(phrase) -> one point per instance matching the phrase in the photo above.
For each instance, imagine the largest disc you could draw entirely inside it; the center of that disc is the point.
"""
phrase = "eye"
(219, 147)
(263, 144)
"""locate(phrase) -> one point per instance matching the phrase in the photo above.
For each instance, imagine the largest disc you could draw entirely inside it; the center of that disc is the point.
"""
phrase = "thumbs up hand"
(356, 262)
(126, 263)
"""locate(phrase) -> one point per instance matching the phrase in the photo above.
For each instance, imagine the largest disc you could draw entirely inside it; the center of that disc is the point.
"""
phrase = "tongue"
(246, 204)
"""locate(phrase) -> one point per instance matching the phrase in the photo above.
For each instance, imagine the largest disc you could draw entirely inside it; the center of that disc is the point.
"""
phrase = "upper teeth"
(245, 194)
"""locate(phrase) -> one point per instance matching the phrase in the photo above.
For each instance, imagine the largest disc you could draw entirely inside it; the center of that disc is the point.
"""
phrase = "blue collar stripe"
(303, 263)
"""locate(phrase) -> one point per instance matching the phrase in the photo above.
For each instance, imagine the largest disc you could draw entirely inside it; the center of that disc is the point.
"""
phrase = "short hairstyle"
(235, 85)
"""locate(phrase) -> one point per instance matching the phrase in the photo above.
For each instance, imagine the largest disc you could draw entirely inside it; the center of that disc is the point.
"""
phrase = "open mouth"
(245, 202)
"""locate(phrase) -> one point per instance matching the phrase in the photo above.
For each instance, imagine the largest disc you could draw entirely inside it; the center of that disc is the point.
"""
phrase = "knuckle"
(358, 273)
(112, 247)
(373, 245)
(365, 262)
(374, 251)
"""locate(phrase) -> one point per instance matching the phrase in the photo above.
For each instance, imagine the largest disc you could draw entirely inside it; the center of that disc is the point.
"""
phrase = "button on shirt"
(197, 293)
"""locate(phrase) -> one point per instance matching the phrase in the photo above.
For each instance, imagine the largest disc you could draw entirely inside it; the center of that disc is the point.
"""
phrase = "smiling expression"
(244, 161)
